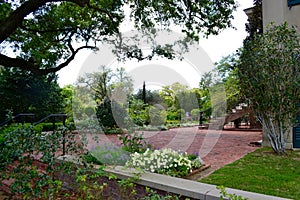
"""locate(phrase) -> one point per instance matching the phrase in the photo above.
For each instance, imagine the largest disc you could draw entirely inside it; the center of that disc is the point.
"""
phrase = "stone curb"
(187, 188)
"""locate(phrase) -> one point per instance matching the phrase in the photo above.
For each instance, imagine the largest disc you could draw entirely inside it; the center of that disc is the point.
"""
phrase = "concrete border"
(184, 187)
(179, 186)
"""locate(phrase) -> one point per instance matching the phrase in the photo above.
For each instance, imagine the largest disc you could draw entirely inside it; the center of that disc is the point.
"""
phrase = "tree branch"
(67, 62)
(17, 62)
(15, 19)
(29, 65)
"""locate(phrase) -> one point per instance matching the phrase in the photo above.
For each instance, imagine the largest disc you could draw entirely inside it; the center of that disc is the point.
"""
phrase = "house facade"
(280, 11)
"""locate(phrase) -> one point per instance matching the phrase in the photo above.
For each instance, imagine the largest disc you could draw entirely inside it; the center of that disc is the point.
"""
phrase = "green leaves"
(47, 35)
(269, 75)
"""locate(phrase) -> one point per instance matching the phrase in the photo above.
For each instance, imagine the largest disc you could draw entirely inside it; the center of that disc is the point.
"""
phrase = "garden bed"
(172, 186)
(197, 171)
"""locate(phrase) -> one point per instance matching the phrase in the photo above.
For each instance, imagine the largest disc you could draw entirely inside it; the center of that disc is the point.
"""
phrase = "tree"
(139, 112)
(189, 100)
(46, 35)
(179, 100)
(67, 93)
(207, 82)
(228, 74)
(23, 92)
(255, 22)
(269, 69)
(110, 90)
(99, 83)
(144, 96)
(152, 96)
(170, 94)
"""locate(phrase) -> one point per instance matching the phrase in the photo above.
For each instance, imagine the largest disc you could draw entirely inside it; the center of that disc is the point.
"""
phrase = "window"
(293, 2)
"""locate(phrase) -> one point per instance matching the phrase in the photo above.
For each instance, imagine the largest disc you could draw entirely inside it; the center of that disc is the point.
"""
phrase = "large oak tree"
(46, 35)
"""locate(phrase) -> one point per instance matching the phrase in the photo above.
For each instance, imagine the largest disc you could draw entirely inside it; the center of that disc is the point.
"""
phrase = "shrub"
(89, 158)
(49, 126)
(110, 154)
(195, 113)
(157, 116)
(113, 131)
(174, 113)
(139, 112)
(21, 146)
(165, 161)
(153, 128)
(133, 142)
(105, 113)
(172, 123)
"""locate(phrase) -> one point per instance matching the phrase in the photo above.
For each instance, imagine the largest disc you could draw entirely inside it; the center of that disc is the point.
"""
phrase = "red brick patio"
(216, 148)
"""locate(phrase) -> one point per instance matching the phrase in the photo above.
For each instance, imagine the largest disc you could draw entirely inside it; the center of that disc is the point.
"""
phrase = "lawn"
(263, 172)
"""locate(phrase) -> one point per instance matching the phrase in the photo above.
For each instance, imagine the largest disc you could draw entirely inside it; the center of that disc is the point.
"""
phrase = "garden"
(32, 165)
(41, 158)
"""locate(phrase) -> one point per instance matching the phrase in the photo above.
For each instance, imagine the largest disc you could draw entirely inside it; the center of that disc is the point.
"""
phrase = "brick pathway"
(216, 148)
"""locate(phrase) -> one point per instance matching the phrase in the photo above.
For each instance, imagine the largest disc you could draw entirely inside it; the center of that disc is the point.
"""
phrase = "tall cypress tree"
(144, 93)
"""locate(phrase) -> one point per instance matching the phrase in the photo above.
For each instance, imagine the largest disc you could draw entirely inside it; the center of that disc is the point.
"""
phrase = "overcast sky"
(227, 42)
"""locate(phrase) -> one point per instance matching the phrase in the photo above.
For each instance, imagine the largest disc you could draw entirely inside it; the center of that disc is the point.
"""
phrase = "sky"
(216, 47)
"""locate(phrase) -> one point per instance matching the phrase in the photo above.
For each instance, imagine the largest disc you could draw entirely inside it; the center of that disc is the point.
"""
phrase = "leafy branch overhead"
(46, 35)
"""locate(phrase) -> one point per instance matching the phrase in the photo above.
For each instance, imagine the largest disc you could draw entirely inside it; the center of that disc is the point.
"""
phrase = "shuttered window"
(293, 2)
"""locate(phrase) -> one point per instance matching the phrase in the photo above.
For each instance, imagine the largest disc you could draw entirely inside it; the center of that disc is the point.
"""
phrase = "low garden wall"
(183, 187)
(164, 184)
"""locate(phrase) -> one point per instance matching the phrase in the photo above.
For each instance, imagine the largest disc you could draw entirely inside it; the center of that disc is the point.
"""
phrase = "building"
(280, 11)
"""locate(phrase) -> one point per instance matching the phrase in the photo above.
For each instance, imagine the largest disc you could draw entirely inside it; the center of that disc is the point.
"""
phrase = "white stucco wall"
(277, 11)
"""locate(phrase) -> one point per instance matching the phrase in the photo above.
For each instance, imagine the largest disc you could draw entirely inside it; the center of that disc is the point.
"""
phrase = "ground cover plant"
(262, 171)
(21, 146)
(110, 154)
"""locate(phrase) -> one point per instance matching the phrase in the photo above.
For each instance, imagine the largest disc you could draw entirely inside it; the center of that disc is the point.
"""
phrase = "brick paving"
(216, 148)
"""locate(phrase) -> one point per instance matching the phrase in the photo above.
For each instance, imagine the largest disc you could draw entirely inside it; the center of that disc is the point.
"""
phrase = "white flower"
(164, 159)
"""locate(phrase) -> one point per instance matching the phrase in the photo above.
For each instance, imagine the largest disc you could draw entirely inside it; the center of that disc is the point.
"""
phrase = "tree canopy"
(46, 35)
(23, 92)
(255, 22)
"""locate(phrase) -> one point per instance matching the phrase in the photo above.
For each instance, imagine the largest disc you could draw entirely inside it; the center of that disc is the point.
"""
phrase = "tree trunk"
(275, 134)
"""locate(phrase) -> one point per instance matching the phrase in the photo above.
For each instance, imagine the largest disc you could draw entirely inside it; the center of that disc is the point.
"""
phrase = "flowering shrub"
(164, 161)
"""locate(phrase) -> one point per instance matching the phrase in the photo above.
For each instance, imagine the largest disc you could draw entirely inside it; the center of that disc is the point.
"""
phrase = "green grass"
(263, 172)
